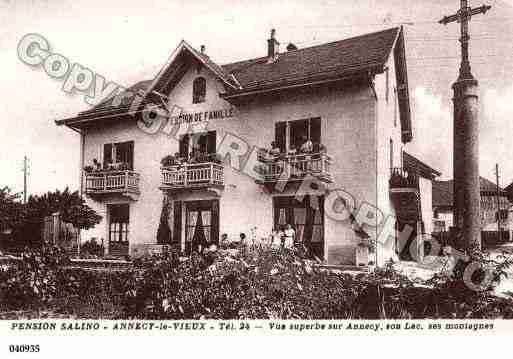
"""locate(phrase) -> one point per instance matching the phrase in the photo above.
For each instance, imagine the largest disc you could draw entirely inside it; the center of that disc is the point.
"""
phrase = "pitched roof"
(443, 191)
(331, 61)
(367, 52)
(412, 163)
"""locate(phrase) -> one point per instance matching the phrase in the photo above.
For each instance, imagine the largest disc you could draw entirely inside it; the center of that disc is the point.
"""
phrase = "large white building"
(350, 98)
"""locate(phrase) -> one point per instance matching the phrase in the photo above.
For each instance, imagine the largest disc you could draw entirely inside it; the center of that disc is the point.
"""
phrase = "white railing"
(112, 181)
(296, 166)
(193, 175)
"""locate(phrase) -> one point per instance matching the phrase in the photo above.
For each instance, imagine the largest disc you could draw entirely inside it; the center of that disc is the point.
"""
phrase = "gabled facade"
(204, 150)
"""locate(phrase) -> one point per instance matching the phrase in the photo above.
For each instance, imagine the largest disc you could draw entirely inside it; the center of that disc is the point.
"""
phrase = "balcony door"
(306, 217)
(204, 143)
(290, 135)
(201, 224)
(119, 153)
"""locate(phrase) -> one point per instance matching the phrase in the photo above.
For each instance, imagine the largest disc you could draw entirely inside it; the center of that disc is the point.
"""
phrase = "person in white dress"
(290, 236)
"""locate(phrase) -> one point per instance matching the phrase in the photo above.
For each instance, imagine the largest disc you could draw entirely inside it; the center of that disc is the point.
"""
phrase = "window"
(199, 90)
(119, 220)
(119, 153)
(204, 142)
(306, 217)
(201, 224)
(292, 134)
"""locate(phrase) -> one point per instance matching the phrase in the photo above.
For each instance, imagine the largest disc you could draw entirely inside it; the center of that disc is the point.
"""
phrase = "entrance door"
(307, 219)
(119, 219)
(201, 224)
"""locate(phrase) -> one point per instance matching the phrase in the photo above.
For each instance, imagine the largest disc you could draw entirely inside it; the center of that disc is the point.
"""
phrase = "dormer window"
(199, 90)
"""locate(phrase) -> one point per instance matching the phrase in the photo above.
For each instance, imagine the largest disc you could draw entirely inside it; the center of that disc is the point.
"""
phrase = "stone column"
(466, 163)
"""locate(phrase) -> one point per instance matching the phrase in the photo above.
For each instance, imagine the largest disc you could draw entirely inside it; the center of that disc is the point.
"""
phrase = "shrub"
(91, 249)
(258, 282)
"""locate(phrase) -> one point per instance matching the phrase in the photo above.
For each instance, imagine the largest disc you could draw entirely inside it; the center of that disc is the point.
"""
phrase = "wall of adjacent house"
(489, 212)
(446, 216)
(388, 128)
(426, 203)
(348, 131)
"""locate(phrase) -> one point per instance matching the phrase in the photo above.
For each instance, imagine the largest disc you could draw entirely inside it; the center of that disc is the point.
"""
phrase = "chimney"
(202, 49)
(273, 45)
(291, 47)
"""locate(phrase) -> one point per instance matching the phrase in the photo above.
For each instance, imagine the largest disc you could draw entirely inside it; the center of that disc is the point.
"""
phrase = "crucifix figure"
(467, 195)
(463, 16)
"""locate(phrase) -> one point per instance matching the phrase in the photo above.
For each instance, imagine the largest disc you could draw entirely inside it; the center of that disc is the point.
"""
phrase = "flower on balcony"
(169, 160)
(193, 158)
(117, 166)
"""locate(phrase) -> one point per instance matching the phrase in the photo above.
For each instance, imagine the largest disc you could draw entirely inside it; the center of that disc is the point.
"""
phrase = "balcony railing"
(104, 182)
(193, 175)
(402, 179)
(295, 167)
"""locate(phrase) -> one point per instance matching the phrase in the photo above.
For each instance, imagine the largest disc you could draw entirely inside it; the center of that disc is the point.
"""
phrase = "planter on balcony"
(100, 183)
(188, 176)
(294, 167)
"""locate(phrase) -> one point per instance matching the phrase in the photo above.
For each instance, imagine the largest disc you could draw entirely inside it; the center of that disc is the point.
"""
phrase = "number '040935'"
(24, 348)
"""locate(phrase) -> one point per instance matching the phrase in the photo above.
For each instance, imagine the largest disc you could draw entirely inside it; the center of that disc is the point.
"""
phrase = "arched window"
(199, 90)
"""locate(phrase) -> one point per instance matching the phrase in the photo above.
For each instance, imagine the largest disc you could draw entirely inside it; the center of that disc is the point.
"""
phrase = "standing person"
(307, 146)
(224, 241)
(275, 239)
(290, 236)
(275, 150)
(242, 237)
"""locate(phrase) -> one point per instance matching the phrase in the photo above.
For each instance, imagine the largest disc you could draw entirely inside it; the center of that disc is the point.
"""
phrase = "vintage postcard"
(178, 169)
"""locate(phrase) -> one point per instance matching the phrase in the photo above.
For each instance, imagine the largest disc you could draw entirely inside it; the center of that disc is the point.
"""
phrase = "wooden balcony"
(101, 183)
(291, 168)
(403, 181)
(405, 194)
(190, 176)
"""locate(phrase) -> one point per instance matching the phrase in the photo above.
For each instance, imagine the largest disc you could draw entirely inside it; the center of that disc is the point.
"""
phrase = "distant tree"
(70, 205)
(12, 211)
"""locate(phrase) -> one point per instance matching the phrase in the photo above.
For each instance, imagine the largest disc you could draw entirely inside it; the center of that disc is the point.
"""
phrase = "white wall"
(388, 128)
(426, 203)
(348, 131)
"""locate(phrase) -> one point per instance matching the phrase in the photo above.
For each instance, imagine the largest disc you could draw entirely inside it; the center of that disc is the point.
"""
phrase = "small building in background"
(496, 210)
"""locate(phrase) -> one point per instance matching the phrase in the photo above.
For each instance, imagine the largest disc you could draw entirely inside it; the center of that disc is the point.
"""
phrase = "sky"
(127, 41)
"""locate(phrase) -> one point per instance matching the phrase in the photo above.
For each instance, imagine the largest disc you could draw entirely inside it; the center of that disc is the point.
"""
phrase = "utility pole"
(467, 194)
(25, 174)
(498, 201)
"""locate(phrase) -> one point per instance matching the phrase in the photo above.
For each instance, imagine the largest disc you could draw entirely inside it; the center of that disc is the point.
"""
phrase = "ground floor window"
(306, 217)
(201, 224)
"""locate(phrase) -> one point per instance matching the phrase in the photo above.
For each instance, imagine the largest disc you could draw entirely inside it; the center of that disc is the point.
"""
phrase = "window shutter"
(211, 142)
(130, 155)
(315, 130)
(184, 146)
(107, 153)
(280, 129)
(214, 228)
(177, 227)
